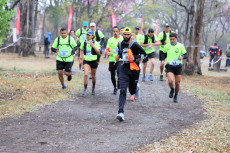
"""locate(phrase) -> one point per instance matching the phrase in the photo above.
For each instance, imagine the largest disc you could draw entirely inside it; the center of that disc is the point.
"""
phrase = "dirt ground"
(88, 124)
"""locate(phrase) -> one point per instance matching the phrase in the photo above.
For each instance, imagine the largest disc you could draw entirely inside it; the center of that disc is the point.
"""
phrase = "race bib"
(125, 55)
(174, 62)
(115, 50)
(63, 53)
(88, 54)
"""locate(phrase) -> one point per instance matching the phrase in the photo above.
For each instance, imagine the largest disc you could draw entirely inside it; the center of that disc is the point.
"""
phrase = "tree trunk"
(41, 20)
(27, 27)
(192, 64)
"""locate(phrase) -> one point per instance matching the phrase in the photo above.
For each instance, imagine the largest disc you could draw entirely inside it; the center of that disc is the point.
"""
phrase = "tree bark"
(27, 27)
(195, 19)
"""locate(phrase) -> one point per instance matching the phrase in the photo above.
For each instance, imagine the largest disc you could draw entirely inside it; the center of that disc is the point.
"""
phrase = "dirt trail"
(88, 124)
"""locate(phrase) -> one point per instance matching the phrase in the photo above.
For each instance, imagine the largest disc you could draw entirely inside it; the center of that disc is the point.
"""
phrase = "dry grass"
(212, 134)
(30, 83)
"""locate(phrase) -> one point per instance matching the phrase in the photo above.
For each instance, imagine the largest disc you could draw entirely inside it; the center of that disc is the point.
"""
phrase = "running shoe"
(121, 117)
(175, 99)
(93, 91)
(84, 92)
(131, 98)
(115, 91)
(161, 77)
(171, 93)
(69, 78)
(143, 79)
(150, 77)
(63, 87)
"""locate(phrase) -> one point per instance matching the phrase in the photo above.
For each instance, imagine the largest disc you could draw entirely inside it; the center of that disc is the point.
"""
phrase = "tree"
(27, 44)
(6, 16)
(194, 12)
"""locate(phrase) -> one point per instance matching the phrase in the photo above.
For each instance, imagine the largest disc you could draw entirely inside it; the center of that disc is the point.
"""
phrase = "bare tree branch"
(179, 3)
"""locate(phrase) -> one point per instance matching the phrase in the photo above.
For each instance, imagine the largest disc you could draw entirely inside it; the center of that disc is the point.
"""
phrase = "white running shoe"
(121, 116)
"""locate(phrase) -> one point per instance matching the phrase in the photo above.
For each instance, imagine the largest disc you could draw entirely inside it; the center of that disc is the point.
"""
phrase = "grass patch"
(29, 83)
(211, 135)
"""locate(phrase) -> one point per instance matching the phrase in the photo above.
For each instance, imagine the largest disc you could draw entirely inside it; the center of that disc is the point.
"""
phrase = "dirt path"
(88, 124)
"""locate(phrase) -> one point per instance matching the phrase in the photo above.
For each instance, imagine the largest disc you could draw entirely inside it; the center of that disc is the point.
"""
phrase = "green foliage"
(5, 17)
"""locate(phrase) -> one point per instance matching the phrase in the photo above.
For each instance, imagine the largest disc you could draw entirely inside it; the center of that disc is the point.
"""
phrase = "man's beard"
(127, 39)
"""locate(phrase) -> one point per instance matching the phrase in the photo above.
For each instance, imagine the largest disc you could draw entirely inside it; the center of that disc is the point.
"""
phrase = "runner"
(121, 31)
(139, 37)
(81, 36)
(148, 41)
(163, 37)
(89, 50)
(175, 52)
(99, 37)
(65, 47)
(112, 53)
(130, 52)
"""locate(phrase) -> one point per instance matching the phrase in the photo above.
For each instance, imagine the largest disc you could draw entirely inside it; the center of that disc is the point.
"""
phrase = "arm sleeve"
(119, 50)
(141, 51)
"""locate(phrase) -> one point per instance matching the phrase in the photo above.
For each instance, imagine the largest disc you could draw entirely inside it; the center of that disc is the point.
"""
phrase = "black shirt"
(136, 49)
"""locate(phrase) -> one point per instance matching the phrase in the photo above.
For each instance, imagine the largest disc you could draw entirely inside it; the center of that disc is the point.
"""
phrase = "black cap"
(166, 25)
(137, 28)
(150, 30)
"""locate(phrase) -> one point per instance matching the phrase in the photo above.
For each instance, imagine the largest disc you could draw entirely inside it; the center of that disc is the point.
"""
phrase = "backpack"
(146, 39)
(46, 41)
(81, 31)
(164, 37)
(97, 35)
(130, 45)
(93, 50)
(64, 44)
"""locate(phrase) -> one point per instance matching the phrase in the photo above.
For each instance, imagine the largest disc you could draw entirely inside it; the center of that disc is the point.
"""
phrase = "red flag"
(142, 25)
(18, 22)
(114, 20)
(70, 19)
(157, 28)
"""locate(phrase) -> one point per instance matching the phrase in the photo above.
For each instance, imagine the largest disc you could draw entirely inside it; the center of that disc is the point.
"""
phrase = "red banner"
(142, 25)
(18, 22)
(70, 19)
(157, 28)
(114, 20)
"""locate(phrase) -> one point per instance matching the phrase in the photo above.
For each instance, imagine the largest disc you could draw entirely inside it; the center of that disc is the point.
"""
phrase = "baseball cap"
(137, 28)
(92, 24)
(90, 32)
(166, 25)
(127, 29)
(150, 30)
(85, 24)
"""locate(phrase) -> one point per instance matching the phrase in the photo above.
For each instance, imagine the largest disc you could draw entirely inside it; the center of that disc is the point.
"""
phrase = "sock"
(94, 83)
(63, 84)
(85, 86)
(172, 89)
(144, 75)
(150, 73)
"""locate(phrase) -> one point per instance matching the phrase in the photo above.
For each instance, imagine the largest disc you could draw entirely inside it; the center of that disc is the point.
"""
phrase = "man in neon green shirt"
(138, 36)
(148, 42)
(99, 37)
(113, 51)
(163, 37)
(175, 53)
(89, 51)
(65, 47)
